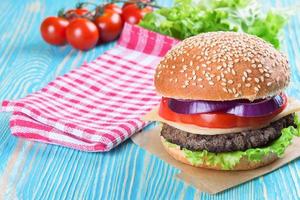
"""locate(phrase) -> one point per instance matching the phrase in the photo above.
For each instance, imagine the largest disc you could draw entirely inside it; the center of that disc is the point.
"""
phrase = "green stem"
(81, 4)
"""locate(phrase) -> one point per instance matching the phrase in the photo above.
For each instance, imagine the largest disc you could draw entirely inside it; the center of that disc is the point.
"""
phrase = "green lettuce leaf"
(191, 17)
(229, 159)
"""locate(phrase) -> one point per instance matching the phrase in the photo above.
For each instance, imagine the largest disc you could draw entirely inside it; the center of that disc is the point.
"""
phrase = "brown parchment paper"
(205, 180)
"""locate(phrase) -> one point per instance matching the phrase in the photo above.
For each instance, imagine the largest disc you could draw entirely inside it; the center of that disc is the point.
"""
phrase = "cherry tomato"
(216, 119)
(75, 13)
(126, 4)
(53, 30)
(78, 11)
(133, 14)
(113, 7)
(132, 2)
(109, 25)
(82, 34)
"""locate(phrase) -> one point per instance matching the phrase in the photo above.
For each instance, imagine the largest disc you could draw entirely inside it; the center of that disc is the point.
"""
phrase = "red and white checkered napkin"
(99, 105)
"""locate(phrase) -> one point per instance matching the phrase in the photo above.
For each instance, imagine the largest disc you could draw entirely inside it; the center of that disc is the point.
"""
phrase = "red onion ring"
(256, 109)
(243, 108)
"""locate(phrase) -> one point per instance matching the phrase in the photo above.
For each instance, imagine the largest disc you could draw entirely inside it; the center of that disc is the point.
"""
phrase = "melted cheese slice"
(292, 107)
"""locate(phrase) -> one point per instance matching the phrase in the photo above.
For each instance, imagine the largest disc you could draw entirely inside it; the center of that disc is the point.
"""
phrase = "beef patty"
(240, 141)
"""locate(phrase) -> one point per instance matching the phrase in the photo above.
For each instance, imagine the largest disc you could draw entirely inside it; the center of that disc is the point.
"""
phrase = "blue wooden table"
(37, 171)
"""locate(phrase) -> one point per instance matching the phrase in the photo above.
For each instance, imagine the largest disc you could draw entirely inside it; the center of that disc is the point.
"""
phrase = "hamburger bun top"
(222, 66)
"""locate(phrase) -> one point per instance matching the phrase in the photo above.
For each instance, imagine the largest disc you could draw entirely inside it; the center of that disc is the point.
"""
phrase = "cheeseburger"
(223, 104)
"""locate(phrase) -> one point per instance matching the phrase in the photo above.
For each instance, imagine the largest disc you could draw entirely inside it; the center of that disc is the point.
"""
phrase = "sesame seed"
(248, 85)
(219, 67)
(239, 85)
(256, 89)
(204, 65)
(249, 71)
(184, 67)
(200, 79)
(171, 72)
(198, 67)
(173, 67)
(259, 65)
(269, 84)
(253, 66)
(256, 80)
(249, 79)
(237, 95)
(218, 78)
(230, 91)
(233, 90)
(183, 86)
(262, 79)
(225, 90)
(230, 81)
(210, 83)
(223, 83)
(245, 74)
(201, 86)
(194, 77)
(267, 75)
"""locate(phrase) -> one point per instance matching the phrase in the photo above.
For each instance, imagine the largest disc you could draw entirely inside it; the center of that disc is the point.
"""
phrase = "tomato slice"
(216, 119)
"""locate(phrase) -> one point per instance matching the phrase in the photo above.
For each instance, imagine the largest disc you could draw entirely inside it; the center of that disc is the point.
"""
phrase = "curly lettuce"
(190, 17)
(228, 160)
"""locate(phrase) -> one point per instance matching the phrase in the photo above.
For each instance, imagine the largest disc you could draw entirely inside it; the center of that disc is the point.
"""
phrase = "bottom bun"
(243, 164)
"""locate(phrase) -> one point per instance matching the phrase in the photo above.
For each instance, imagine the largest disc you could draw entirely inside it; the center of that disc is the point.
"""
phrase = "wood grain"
(37, 171)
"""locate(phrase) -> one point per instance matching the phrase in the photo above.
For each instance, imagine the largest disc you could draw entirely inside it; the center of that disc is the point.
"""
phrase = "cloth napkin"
(98, 105)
